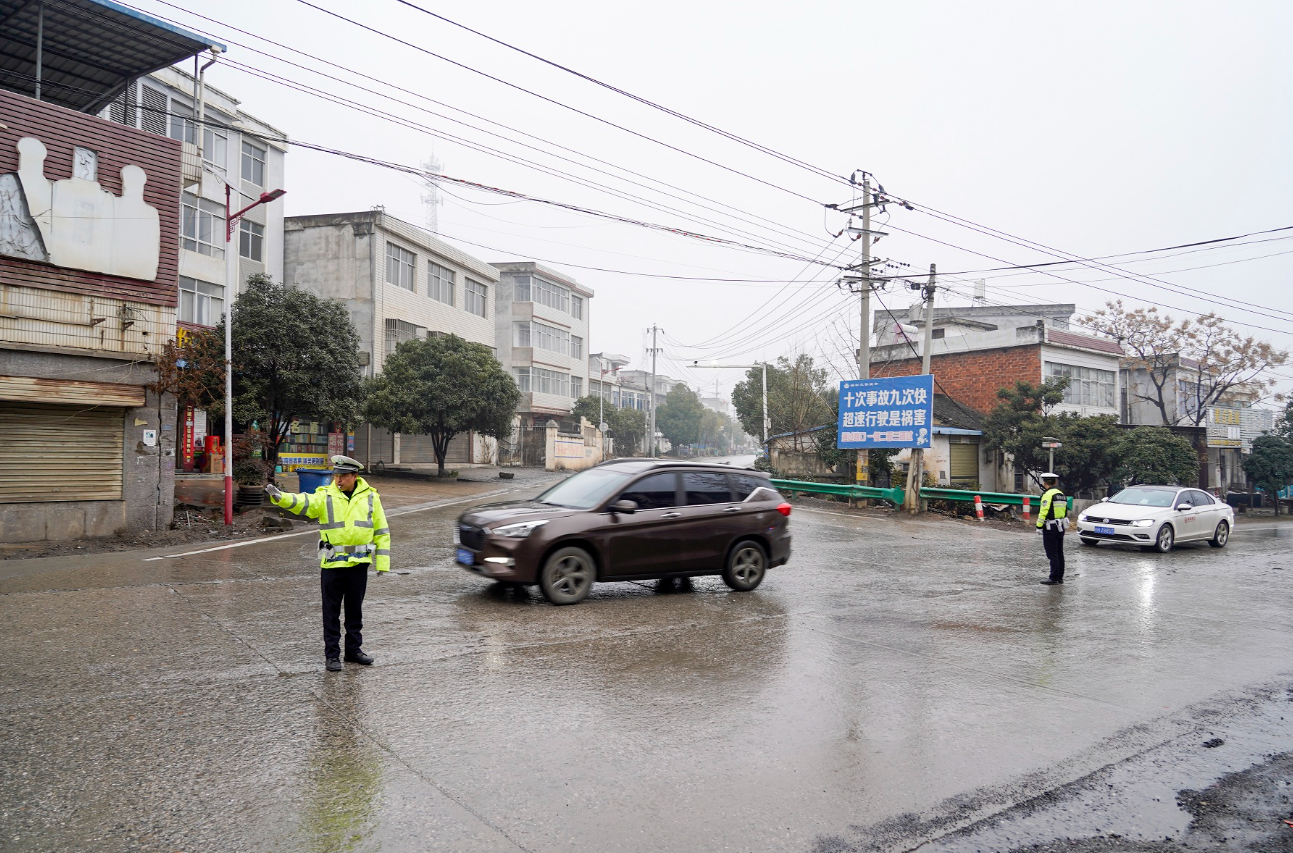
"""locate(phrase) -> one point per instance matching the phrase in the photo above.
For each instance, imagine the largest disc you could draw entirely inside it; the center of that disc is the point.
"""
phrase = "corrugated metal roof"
(90, 51)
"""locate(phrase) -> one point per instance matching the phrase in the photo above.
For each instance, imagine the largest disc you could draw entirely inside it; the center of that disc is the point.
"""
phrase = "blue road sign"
(885, 413)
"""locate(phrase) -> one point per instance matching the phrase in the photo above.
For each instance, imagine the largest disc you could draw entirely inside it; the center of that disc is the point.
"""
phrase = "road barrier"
(896, 495)
(978, 508)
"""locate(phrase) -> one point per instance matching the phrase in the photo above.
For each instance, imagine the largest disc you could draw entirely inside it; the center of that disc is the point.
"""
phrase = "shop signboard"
(291, 461)
(886, 413)
(1237, 427)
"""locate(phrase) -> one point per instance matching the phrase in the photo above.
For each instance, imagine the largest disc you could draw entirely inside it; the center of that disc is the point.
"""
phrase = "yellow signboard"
(292, 461)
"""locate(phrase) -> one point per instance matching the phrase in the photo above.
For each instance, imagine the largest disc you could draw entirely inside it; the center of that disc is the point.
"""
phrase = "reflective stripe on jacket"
(1055, 506)
(352, 530)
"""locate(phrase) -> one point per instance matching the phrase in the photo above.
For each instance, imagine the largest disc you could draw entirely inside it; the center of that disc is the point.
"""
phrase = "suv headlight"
(1143, 522)
(519, 530)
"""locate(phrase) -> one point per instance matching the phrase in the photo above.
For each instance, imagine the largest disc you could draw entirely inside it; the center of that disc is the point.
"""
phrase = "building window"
(521, 288)
(521, 334)
(202, 226)
(550, 382)
(1088, 386)
(576, 387)
(440, 283)
(552, 295)
(400, 265)
(522, 378)
(477, 296)
(251, 240)
(935, 334)
(576, 346)
(398, 331)
(201, 303)
(253, 164)
(576, 307)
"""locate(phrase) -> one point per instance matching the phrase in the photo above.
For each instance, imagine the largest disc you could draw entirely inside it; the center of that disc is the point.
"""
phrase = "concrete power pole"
(863, 473)
(916, 471)
(651, 443)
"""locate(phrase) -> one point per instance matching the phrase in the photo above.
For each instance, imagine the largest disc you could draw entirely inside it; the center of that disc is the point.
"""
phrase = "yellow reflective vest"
(352, 530)
(1055, 506)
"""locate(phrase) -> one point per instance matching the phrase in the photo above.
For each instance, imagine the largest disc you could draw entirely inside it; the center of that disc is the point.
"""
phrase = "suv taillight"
(784, 509)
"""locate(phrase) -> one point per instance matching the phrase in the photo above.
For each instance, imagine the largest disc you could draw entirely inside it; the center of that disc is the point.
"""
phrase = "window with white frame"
(251, 240)
(440, 281)
(201, 302)
(400, 266)
(215, 140)
(576, 346)
(576, 387)
(538, 380)
(398, 331)
(521, 288)
(1088, 386)
(477, 298)
(253, 163)
(183, 127)
(522, 375)
(541, 336)
(552, 295)
(202, 225)
(576, 306)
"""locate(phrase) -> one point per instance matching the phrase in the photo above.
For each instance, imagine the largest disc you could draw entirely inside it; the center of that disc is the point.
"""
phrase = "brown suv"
(631, 519)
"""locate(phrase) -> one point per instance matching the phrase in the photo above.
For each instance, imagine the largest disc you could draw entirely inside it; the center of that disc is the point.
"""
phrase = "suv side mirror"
(1182, 507)
(626, 506)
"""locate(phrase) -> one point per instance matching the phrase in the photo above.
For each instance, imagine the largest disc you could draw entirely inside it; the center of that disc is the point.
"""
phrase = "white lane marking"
(400, 511)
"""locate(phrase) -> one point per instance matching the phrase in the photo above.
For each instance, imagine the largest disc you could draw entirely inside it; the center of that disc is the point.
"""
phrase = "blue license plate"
(466, 557)
(1107, 531)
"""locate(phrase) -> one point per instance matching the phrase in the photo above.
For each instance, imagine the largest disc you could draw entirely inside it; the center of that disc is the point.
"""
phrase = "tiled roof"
(949, 412)
(1073, 339)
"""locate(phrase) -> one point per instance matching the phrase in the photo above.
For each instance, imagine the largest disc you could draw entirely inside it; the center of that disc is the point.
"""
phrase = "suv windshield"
(586, 489)
(1136, 496)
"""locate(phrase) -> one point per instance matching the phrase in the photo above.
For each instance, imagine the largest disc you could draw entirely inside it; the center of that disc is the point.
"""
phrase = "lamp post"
(231, 220)
(767, 420)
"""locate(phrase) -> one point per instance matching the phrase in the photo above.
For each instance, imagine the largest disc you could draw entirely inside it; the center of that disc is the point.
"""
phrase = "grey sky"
(1095, 128)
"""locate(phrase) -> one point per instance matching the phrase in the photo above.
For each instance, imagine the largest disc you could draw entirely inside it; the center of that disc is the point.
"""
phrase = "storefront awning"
(89, 49)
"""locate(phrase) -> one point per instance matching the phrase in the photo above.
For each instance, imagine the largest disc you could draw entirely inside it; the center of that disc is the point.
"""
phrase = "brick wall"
(973, 378)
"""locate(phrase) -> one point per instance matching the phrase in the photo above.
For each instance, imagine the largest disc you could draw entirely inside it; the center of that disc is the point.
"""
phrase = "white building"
(542, 327)
(232, 149)
(399, 283)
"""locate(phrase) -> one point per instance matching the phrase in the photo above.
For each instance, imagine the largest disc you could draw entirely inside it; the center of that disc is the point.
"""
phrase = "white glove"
(273, 491)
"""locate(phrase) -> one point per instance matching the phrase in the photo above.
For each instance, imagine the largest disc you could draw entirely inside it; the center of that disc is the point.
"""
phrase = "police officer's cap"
(346, 465)
(1047, 476)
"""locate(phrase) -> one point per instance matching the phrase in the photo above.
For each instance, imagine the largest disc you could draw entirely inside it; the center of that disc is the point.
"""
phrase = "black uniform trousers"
(1053, 542)
(343, 585)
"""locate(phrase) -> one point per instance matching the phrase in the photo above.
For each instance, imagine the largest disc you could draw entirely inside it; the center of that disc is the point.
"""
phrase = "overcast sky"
(1097, 129)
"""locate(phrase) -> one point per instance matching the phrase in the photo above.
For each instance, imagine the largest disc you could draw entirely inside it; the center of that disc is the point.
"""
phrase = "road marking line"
(400, 511)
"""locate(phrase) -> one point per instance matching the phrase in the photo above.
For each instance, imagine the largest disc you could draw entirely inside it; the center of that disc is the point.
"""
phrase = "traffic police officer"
(352, 536)
(1052, 521)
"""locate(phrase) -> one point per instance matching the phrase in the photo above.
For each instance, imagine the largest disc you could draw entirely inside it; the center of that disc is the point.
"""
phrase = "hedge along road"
(902, 679)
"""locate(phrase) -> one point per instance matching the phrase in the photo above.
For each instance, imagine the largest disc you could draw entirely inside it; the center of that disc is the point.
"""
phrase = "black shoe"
(334, 665)
(360, 658)
(1051, 582)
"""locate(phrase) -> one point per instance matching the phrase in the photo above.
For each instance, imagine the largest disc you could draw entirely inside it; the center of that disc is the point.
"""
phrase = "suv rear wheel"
(746, 566)
(567, 576)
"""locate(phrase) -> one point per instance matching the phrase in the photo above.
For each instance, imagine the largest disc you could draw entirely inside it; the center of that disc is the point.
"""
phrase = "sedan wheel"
(1166, 537)
(746, 566)
(1221, 537)
(567, 576)
(1086, 540)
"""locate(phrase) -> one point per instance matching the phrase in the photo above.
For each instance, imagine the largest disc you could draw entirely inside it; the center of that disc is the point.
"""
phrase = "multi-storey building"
(399, 283)
(542, 327)
(89, 267)
(604, 376)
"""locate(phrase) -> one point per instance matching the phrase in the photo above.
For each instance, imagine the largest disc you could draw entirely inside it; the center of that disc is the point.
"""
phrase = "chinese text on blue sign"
(895, 412)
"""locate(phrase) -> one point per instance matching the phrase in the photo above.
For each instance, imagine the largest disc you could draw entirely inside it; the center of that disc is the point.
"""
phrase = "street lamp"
(231, 220)
(763, 364)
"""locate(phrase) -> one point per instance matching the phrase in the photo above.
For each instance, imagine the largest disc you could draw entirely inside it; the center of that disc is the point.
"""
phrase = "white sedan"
(1156, 518)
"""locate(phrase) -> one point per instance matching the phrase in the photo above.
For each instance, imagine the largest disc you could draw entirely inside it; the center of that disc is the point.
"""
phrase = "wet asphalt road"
(901, 682)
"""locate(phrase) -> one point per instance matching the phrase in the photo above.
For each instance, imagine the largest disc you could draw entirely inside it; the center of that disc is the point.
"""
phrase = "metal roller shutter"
(964, 461)
(418, 449)
(60, 453)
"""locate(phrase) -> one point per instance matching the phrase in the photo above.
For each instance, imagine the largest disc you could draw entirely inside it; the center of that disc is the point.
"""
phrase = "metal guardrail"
(894, 496)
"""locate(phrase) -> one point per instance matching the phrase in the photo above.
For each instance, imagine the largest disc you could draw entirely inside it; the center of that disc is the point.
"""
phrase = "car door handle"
(671, 515)
(732, 509)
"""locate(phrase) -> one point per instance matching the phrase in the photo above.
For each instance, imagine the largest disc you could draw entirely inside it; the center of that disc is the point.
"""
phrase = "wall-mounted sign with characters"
(74, 223)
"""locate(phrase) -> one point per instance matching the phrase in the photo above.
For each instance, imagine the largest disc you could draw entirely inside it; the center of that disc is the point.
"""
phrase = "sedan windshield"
(1137, 496)
(586, 489)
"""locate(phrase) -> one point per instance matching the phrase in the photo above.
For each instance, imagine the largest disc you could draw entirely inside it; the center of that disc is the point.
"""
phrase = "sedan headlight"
(519, 530)
(1143, 522)
(1082, 518)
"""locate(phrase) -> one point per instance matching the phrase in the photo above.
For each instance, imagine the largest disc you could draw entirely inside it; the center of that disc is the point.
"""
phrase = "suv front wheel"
(567, 575)
(746, 566)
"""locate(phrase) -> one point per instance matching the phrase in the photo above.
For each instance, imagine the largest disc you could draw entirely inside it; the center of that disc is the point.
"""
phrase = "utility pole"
(651, 395)
(863, 474)
(916, 471)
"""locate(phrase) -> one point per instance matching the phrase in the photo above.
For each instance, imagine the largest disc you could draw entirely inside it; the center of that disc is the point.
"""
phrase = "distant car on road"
(1156, 518)
(631, 519)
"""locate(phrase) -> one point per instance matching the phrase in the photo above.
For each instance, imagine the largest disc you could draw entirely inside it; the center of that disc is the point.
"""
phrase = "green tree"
(679, 417)
(628, 426)
(1087, 459)
(715, 430)
(798, 397)
(294, 355)
(192, 368)
(1155, 455)
(440, 387)
(1270, 465)
(1019, 423)
(1284, 423)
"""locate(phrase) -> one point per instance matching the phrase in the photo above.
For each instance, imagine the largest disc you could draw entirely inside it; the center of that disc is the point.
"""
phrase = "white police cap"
(346, 465)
